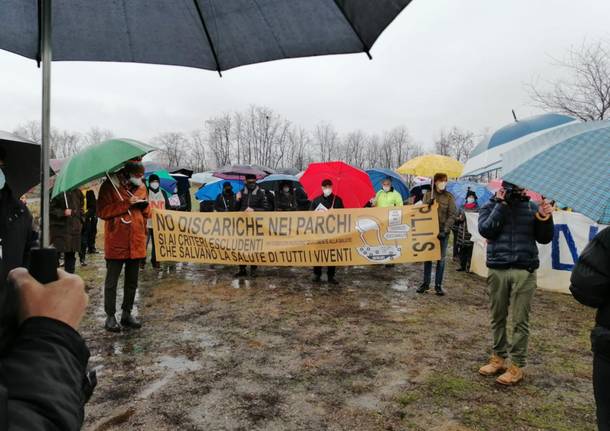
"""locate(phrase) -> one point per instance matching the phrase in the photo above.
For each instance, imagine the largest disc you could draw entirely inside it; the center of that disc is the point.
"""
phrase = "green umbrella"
(96, 160)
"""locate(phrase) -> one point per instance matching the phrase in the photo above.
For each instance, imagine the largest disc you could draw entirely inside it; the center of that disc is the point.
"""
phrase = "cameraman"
(41, 373)
(512, 225)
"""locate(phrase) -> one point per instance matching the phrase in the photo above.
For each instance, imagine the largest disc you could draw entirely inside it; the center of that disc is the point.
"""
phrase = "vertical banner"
(573, 231)
(340, 237)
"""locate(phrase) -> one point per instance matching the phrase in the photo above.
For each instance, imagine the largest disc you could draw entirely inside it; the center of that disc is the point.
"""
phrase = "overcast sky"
(441, 63)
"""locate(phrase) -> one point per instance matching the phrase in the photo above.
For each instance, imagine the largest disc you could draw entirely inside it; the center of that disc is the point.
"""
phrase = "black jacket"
(254, 199)
(332, 201)
(512, 232)
(590, 280)
(225, 203)
(41, 378)
(17, 235)
(286, 201)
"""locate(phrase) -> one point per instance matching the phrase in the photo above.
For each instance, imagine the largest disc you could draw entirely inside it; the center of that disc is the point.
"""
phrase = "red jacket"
(125, 227)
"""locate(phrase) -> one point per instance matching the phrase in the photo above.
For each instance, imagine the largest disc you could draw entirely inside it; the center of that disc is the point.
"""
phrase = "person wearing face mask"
(447, 213)
(326, 201)
(123, 206)
(285, 199)
(17, 234)
(225, 201)
(66, 225)
(157, 199)
(251, 198)
(387, 196)
(462, 236)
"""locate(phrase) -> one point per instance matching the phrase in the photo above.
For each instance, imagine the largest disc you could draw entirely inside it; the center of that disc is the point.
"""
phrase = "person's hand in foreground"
(545, 209)
(64, 300)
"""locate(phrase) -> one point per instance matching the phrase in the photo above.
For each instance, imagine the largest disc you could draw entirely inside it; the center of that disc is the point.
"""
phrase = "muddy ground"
(278, 353)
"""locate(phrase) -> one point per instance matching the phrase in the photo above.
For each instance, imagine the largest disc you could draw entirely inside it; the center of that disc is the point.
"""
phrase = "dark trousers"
(113, 272)
(330, 271)
(440, 266)
(244, 267)
(91, 223)
(601, 388)
(69, 262)
(153, 253)
(465, 256)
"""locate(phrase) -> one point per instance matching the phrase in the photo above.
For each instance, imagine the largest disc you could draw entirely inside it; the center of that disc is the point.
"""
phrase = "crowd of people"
(50, 315)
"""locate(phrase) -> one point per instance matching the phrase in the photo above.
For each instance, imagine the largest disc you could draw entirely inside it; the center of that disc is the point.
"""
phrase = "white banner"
(573, 231)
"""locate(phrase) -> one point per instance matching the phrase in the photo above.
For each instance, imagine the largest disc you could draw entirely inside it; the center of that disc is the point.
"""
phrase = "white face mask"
(470, 200)
(136, 181)
(327, 192)
(2, 179)
(441, 186)
(154, 186)
(386, 188)
(286, 189)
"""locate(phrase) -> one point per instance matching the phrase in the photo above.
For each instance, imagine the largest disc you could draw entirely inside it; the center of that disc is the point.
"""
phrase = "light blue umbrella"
(570, 165)
(272, 181)
(210, 191)
(459, 189)
(377, 175)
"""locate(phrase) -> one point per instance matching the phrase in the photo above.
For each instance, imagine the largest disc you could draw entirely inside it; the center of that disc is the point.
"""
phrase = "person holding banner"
(447, 213)
(285, 199)
(251, 198)
(387, 196)
(590, 285)
(123, 206)
(158, 199)
(225, 201)
(325, 202)
(512, 226)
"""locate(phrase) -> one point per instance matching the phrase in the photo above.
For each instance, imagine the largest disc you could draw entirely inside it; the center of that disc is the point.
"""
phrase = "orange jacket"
(125, 225)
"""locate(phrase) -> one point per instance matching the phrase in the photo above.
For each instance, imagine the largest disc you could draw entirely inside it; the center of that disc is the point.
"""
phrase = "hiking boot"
(511, 377)
(423, 288)
(496, 365)
(111, 324)
(128, 321)
(439, 291)
(156, 265)
(142, 264)
(83, 263)
(240, 273)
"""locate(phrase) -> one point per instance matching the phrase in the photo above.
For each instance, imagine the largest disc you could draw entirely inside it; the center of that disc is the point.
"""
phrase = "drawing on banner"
(381, 252)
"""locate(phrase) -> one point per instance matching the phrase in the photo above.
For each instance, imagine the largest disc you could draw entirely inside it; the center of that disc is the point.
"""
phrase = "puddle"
(173, 365)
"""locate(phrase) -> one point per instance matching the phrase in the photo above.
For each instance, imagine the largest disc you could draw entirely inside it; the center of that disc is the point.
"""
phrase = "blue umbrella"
(459, 189)
(210, 191)
(558, 164)
(377, 175)
(272, 181)
(165, 179)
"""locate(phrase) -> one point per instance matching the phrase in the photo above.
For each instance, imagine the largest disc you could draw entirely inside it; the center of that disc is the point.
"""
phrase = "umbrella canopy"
(181, 171)
(96, 160)
(21, 163)
(427, 166)
(418, 192)
(239, 171)
(495, 185)
(377, 176)
(151, 166)
(459, 189)
(570, 165)
(274, 180)
(203, 177)
(210, 191)
(351, 184)
(288, 171)
(487, 155)
(265, 169)
(214, 34)
(167, 182)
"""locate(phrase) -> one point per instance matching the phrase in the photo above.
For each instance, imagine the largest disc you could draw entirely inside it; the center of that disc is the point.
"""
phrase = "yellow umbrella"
(427, 166)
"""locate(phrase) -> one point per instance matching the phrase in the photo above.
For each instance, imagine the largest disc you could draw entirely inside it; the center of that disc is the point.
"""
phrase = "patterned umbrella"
(570, 165)
(459, 189)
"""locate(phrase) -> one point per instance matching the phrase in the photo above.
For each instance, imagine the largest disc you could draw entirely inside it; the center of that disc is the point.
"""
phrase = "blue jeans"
(440, 266)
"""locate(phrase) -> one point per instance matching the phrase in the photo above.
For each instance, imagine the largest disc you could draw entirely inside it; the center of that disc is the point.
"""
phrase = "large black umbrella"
(21, 163)
(208, 34)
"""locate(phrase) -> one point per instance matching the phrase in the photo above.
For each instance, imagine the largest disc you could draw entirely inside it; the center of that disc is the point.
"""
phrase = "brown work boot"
(512, 376)
(495, 366)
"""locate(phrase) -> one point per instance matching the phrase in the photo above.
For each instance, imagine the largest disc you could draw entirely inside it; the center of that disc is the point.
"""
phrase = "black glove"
(442, 235)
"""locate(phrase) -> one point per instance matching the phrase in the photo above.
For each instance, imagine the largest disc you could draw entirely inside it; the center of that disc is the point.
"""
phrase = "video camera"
(514, 193)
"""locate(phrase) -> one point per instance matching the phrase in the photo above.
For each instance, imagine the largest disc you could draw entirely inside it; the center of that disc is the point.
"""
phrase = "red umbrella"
(351, 184)
(495, 185)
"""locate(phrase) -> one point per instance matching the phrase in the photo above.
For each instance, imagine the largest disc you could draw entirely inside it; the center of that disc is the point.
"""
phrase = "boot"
(495, 366)
(156, 265)
(83, 263)
(252, 272)
(241, 273)
(111, 324)
(511, 377)
(128, 321)
(461, 269)
(423, 288)
(439, 290)
(332, 280)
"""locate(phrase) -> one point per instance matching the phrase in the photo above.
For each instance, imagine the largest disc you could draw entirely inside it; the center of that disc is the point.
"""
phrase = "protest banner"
(339, 237)
(573, 231)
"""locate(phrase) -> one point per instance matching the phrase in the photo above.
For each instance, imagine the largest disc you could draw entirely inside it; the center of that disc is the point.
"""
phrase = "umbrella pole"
(46, 54)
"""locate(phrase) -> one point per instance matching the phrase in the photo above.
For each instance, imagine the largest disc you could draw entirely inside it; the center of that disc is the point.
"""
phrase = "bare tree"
(173, 147)
(219, 139)
(585, 93)
(95, 135)
(31, 131)
(198, 151)
(299, 143)
(455, 143)
(326, 139)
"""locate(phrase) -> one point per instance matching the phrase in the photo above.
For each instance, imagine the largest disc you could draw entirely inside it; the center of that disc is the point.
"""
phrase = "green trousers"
(506, 287)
